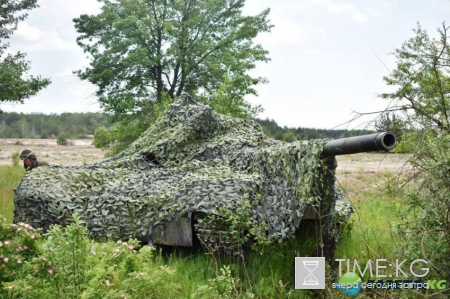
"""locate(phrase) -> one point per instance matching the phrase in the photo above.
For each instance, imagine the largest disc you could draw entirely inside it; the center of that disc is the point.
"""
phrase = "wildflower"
(9, 287)
(19, 261)
(116, 252)
(107, 282)
(18, 249)
(7, 242)
(130, 247)
(6, 259)
(50, 271)
(33, 236)
(25, 247)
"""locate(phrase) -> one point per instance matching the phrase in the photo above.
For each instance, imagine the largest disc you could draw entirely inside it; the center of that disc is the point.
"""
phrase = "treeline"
(39, 125)
(272, 129)
(77, 125)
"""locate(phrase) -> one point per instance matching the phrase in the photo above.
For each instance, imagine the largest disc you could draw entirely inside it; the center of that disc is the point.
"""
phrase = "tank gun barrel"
(360, 144)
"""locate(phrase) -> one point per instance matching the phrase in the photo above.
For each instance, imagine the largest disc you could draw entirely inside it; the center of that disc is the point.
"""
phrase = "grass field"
(9, 179)
(368, 235)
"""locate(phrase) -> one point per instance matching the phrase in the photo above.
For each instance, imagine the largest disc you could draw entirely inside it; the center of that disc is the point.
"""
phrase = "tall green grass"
(10, 177)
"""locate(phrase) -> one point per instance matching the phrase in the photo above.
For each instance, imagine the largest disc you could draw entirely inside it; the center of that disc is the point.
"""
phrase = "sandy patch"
(48, 150)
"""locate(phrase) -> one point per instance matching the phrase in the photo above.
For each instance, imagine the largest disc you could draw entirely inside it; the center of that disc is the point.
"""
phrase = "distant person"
(30, 160)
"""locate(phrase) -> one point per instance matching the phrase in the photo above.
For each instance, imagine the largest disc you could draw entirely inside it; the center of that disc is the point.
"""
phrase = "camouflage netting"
(191, 160)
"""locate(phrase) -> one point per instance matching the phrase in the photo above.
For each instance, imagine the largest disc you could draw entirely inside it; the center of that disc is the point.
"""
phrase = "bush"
(62, 139)
(18, 245)
(72, 266)
(15, 159)
(102, 138)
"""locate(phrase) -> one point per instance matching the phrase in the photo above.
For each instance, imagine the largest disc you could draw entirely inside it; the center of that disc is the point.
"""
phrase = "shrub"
(18, 244)
(15, 159)
(72, 266)
(62, 139)
(102, 138)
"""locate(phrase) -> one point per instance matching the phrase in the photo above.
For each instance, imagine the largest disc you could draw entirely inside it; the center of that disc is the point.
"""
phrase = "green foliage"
(408, 143)
(242, 228)
(423, 87)
(273, 130)
(102, 138)
(145, 52)
(15, 159)
(229, 97)
(288, 136)
(62, 139)
(71, 266)
(18, 245)
(38, 125)
(391, 122)
(224, 285)
(10, 177)
(14, 85)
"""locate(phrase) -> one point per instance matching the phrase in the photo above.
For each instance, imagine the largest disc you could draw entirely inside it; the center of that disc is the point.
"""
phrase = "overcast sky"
(328, 57)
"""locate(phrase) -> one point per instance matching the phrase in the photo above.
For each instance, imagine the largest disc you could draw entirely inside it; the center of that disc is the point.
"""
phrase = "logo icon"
(350, 284)
(310, 273)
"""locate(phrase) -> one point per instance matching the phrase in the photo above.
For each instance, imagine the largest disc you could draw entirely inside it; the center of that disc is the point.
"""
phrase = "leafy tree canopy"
(143, 50)
(15, 86)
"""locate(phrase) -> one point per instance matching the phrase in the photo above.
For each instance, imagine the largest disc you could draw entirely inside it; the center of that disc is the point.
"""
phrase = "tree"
(147, 52)
(422, 82)
(15, 86)
(62, 139)
(390, 122)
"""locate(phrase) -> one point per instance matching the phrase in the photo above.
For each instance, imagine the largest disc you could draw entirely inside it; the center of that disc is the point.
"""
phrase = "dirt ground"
(372, 162)
(83, 150)
(48, 150)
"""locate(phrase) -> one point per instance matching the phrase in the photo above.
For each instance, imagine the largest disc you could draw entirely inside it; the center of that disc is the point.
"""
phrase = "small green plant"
(18, 245)
(62, 139)
(72, 266)
(15, 159)
(18, 142)
(242, 227)
(223, 285)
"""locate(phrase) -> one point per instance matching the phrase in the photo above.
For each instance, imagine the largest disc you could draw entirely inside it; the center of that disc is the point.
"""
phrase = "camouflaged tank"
(193, 162)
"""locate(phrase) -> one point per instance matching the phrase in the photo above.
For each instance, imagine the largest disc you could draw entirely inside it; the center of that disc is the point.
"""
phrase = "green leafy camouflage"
(192, 159)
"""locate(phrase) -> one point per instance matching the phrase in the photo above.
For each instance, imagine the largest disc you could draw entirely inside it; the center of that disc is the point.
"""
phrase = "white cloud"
(342, 8)
(27, 32)
(34, 39)
(359, 17)
(65, 73)
(287, 31)
(386, 5)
